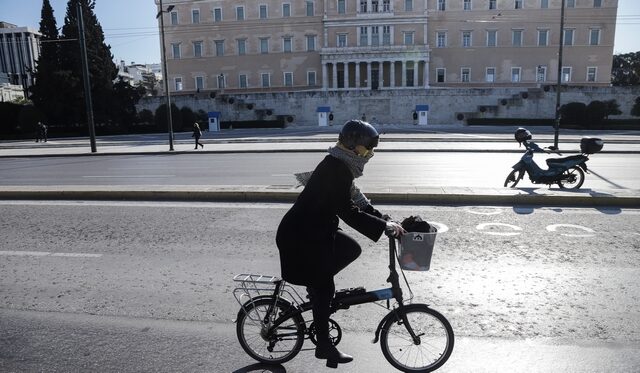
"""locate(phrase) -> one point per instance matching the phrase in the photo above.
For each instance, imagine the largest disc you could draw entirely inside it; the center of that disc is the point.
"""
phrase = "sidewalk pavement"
(394, 139)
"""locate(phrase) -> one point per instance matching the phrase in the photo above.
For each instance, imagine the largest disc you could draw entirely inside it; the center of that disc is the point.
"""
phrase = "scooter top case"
(591, 145)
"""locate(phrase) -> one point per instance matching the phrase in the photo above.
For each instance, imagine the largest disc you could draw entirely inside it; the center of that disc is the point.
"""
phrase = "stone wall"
(446, 105)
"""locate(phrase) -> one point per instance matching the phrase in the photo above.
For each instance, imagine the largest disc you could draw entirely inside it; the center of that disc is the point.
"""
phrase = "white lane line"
(46, 253)
(125, 176)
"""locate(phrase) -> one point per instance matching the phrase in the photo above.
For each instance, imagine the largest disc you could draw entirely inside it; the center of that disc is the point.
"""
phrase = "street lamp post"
(558, 85)
(164, 72)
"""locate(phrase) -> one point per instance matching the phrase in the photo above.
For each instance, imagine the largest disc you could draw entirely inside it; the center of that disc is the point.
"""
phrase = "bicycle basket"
(416, 249)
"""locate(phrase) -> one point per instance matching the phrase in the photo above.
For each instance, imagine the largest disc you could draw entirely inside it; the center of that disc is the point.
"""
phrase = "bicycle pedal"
(350, 291)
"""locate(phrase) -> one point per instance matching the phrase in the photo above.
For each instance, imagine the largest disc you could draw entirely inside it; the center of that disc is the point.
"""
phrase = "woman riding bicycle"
(312, 247)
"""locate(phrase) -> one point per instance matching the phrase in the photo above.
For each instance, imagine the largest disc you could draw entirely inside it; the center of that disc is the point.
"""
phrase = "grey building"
(19, 51)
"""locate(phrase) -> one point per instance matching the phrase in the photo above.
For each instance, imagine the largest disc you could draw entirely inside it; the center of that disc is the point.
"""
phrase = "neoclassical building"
(332, 45)
(19, 51)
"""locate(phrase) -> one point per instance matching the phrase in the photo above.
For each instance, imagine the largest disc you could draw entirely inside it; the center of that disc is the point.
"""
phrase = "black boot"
(330, 352)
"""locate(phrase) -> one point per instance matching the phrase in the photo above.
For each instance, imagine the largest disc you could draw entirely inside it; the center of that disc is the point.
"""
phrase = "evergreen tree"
(45, 93)
(102, 70)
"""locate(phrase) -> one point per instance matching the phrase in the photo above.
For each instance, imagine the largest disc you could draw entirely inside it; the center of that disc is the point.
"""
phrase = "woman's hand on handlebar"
(394, 229)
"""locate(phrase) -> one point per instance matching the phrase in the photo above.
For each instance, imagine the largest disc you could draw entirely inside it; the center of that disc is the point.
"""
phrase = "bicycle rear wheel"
(434, 339)
(269, 346)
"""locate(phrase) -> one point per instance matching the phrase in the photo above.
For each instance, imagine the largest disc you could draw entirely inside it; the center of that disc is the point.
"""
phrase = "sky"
(131, 28)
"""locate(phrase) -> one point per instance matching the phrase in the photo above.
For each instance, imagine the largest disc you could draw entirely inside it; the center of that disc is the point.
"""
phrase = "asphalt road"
(609, 171)
(147, 286)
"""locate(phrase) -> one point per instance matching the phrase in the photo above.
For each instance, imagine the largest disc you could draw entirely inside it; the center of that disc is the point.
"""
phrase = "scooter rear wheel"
(512, 179)
(572, 178)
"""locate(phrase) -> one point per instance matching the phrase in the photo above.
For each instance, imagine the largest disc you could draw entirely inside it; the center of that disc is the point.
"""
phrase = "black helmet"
(522, 134)
(356, 132)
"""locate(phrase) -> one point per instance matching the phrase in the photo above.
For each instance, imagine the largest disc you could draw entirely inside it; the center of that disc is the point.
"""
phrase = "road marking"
(554, 228)
(485, 225)
(440, 227)
(124, 176)
(46, 253)
(496, 210)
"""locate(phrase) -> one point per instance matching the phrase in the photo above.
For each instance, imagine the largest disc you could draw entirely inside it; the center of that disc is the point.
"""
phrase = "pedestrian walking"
(197, 134)
(38, 132)
(312, 248)
(44, 131)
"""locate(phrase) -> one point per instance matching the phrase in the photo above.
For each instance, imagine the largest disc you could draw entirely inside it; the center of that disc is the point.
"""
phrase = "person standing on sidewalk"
(44, 131)
(197, 134)
(312, 247)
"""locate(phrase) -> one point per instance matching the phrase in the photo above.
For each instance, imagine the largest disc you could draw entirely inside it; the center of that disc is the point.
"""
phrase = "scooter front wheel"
(512, 179)
(572, 178)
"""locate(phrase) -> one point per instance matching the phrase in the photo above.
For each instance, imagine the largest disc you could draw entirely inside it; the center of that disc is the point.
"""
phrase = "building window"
(517, 38)
(492, 4)
(221, 81)
(544, 4)
(594, 37)
(195, 16)
(363, 6)
(263, 12)
(311, 43)
(174, 18)
(197, 49)
(386, 35)
(592, 74)
(219, 48)
(375, 35)
(264, 45)
(386, 5)
(442, 5)
(492, 38)
(541, 74)
(490, 75)
(342, 40)
(288, 79)
(242, 47)
(466, 5)
(408, 38)
(240, 13)
(310, 11)
(199, 83)
(441, 39)
(543, 38)
(568, 37)
(286, 10)
(408, 5)
(175, 48)
(374, 8)
(311, 78)
(571, 3)
(465, 75)
(342, 9)
(266, 80)
(566, 74)
(515, 74)
(217, 15)
(440, 75)
(518, 4)
(242, 81)
(466, 39)
(597, 3)
(178, 84)
(364, 37)
(286, 44)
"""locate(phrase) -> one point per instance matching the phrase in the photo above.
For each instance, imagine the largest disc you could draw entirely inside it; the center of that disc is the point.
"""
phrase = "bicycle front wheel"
(259, 340)
(432, 346)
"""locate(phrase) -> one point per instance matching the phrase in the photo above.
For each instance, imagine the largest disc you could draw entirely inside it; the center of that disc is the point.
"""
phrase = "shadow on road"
(263, 368)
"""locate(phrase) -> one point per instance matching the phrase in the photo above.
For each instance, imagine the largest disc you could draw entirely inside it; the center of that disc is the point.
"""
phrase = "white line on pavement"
(125, 176)
(45, 253)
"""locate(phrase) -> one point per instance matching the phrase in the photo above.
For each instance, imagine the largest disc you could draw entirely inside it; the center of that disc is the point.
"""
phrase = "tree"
(612, 108)
(635, 110)
(102, 70)
(150, 83)
(161, 117)
(125, 98)
(596, 112)
(574, 113)
(625, 69)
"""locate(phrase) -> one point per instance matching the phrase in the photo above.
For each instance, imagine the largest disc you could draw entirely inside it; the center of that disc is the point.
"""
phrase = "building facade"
(332, 45)
(19, 51)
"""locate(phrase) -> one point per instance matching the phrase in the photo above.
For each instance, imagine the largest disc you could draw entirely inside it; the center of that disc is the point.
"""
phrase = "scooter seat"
(550, 161)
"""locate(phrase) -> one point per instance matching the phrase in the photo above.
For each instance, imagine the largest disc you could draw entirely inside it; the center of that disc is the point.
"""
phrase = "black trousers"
(321, 292)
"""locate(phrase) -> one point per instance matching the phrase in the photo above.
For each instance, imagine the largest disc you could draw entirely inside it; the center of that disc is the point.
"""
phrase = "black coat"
(306, 234)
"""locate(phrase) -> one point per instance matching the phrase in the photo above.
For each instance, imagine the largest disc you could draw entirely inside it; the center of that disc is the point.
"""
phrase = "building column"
(381, 75)
(404, 74)
(415, 73)
(392, 74)
(368, 74)
(325, 77)
(357, 74)
(334, 75)
(425, 74)
(346, 75)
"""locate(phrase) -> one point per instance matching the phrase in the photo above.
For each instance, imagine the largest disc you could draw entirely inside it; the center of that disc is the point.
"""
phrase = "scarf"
(354, 162)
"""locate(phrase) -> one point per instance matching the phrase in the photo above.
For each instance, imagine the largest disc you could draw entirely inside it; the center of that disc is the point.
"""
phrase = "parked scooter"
(567, 172)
